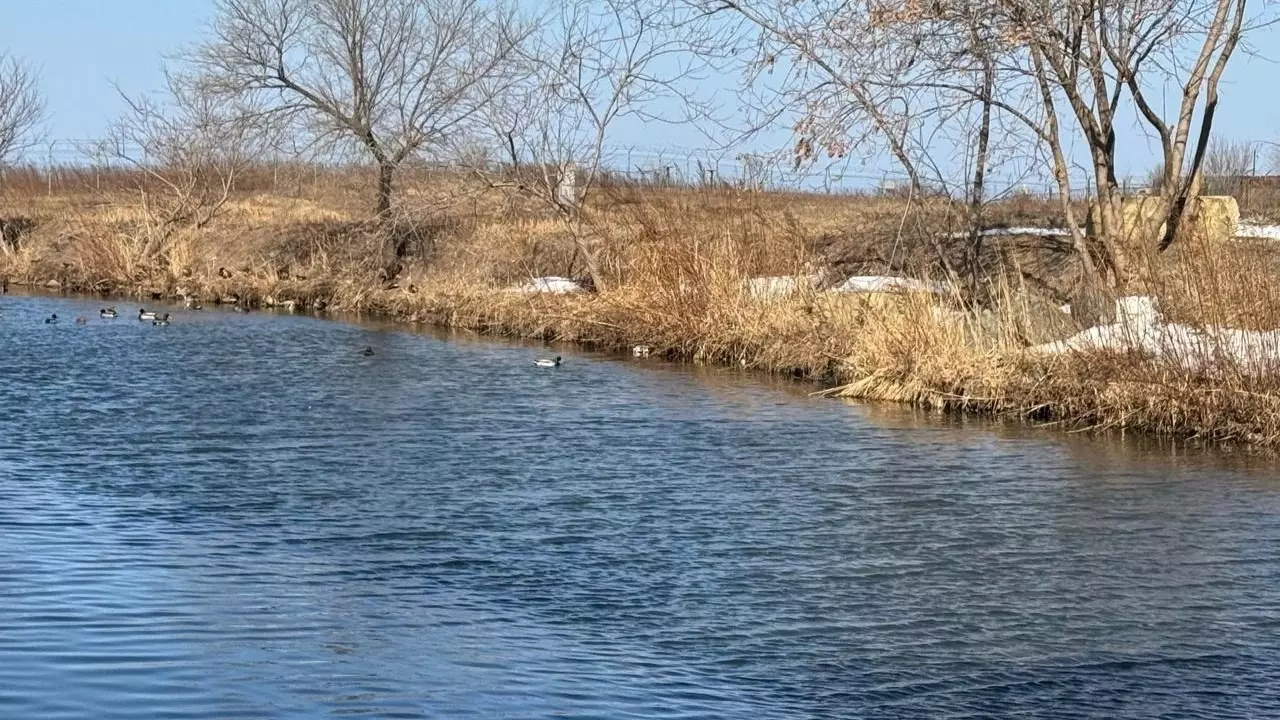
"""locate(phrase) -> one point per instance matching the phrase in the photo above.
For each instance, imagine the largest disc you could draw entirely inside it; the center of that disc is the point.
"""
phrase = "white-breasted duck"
(108, 313)
(548, 363)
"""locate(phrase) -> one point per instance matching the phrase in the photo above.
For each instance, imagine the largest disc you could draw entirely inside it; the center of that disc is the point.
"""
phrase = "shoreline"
(677, 264)
(556, 323)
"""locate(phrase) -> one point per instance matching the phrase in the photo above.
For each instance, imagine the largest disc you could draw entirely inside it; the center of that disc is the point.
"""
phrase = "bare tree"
(1095, 55)
(1055, 68)
(393, 77)
(1226, 165)
(21, 107)
(915, 82)
(593, 64)
(190, 146)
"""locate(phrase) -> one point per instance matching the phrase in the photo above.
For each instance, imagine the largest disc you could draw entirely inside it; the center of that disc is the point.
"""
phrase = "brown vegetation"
(676, 259)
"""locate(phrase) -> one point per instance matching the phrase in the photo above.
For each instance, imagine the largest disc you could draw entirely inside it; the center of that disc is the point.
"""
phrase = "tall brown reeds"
(678, 261)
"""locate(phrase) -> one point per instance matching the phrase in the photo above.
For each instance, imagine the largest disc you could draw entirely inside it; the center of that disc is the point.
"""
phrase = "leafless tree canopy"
(21, 107)
(191, 144)
(591, 64)
(897, 73)
(394, 77)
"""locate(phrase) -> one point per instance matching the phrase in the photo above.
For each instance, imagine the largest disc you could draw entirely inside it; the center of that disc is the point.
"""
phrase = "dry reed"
(677, 260)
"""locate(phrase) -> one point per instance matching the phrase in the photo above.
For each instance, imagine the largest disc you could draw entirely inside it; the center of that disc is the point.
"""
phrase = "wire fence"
(77, 164)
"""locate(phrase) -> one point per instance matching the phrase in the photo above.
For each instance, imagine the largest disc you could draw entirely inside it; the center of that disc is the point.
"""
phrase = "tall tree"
(392, 77)
(1061, 69)
(21, 107)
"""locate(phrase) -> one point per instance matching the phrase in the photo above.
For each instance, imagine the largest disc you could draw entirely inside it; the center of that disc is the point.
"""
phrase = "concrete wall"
(1209, 219)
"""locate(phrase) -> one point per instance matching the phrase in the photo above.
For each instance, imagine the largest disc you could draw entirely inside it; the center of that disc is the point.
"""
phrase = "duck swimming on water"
(51, 319)
(544, 362)
(108, 313)
(367, 351)
(82, 320)
(146, 314)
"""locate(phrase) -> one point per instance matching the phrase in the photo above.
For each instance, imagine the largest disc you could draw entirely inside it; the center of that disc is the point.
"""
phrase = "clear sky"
(82, 47)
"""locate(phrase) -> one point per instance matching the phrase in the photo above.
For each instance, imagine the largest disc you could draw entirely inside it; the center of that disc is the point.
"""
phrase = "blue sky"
(81, 47)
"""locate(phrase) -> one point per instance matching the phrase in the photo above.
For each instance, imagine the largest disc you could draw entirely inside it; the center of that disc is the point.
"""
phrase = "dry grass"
(676, 260)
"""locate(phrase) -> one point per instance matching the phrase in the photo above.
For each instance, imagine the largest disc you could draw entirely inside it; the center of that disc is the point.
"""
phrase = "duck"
(108, 313)
(51, 319)
(192, 304)
(146, 314)
(367, 351)
(82, 320)
(641, 351)
(161, 321)
(239, 309)
(544, 362)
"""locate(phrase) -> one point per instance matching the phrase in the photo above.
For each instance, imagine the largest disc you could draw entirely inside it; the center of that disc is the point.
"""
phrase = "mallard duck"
(82, 320)
(192, 304)
(161, 321)
(51, 319)
(367, 351)
(146, 314)
(108, 313)
(544, 362)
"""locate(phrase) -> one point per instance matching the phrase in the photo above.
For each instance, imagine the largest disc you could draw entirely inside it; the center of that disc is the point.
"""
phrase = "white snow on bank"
(1004, 232)
(1139, 327)
(1243, 230)
(889, 283)
(551, 284)
(779, 286)
(784, 285)
(1261, 232)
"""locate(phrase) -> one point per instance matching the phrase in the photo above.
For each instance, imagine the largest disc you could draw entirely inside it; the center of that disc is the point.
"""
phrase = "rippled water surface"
(244, 517)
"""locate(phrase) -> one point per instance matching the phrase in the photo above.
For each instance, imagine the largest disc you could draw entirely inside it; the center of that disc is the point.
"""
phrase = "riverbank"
(679, 264)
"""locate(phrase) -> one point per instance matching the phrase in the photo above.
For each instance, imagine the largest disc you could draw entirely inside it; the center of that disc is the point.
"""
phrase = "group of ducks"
(110, 313)
(640, 351)
(160, 319)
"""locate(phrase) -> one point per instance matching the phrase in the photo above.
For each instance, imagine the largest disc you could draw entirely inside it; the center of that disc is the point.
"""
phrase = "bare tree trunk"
(977, 196)
(584, 246)
(386, 170)
(1060, 175)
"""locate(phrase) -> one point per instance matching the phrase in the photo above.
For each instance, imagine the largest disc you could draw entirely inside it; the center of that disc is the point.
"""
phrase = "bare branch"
(392, 77)
(21, 108)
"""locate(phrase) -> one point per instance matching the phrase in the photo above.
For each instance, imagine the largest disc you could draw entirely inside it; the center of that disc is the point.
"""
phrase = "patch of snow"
(889, 283)
(1139, 327)
(779, 286)
(550, 284)
(1262, 232)
(1005, 232)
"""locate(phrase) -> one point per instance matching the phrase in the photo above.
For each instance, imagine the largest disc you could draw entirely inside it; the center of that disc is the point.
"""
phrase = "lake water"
(241, 516)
